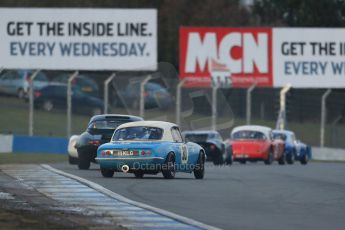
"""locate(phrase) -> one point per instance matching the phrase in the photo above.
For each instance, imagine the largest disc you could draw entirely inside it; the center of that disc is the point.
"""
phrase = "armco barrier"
(328, 154)
(6, 142)
(35, 144)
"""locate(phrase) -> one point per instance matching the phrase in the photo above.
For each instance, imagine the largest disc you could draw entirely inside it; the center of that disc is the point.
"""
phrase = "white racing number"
(184, 154)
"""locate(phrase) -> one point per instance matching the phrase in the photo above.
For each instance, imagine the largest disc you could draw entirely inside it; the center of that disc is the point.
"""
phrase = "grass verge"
(31, 158)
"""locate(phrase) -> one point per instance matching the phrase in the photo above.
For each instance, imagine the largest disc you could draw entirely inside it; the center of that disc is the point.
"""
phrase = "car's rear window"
(138, 133)
(279, 136)
(196, 137)
(248, 134)
(106, 124)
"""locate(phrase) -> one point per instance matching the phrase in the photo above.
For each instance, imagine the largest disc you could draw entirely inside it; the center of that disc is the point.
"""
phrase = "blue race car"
(150, 147)
(294, 149)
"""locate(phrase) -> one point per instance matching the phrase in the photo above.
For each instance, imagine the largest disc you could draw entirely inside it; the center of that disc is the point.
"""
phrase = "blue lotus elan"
(150, 147)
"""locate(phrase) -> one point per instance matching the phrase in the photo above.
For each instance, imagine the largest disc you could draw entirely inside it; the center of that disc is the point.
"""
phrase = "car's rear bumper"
(249, 156)
(143, 163)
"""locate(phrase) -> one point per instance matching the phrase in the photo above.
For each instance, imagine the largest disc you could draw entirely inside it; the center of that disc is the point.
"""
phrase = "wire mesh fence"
(160, 100)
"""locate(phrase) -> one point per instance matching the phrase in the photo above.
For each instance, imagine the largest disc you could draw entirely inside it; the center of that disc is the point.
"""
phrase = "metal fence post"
(281, 122)
(249, 103)
(142, 96)
(323, 117)
(178, 100)
(31, 102)
(69, 103)
(214, 106)
(106, 91)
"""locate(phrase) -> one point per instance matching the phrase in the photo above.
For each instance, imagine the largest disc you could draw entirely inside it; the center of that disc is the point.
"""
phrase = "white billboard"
(309, 57)
(78, 39)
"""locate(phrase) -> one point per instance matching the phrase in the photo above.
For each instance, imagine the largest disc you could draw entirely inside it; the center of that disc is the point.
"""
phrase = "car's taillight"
(146, 93)
(212, 147)
(37, 94)
(143, 152)
(94, 142)
(106, 153)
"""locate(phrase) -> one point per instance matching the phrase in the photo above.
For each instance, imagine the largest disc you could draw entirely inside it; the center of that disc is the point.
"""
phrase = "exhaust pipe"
(125, 168)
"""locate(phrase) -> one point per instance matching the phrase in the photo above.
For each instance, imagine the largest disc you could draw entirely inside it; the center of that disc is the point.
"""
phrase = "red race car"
(256, 143)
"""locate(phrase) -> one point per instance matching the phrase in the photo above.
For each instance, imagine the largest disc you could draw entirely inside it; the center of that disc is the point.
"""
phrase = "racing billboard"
(267, 57)
(79, 39)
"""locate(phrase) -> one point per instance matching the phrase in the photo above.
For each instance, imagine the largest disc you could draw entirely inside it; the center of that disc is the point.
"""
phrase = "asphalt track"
(251, 196)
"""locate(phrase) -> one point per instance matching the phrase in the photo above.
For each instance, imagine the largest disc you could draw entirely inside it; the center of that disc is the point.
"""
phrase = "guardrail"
(33, 144)
(37, 144)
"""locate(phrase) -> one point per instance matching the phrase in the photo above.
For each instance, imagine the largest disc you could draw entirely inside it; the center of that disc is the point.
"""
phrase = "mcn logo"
(228, 57)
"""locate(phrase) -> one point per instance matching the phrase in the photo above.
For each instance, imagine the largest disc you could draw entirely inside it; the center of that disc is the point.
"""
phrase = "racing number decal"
(184, 154)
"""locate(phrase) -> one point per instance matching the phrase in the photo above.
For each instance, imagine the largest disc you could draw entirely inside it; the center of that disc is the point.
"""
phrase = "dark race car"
(294, 149)
(212, 143)
(99, 131)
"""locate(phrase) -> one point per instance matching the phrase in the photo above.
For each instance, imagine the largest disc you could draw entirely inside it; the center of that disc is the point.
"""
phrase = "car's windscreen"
(105, 124)
(196, 137)
(248, 134)
(279, 136)
(140, 133)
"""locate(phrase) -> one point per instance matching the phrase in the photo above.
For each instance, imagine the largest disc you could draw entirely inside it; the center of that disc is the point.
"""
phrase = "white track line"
(132, 202)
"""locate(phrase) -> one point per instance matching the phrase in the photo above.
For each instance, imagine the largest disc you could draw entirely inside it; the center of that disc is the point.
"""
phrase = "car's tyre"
(199, 170)
(72, 160)
(107, 172)
(269, 159)
(229, 158)
(242, 162)
(138, 174)
(219, 159)
(48, 105)
(83, 163)
(169, 167)
(304, 159)
(281, 160)
(290, 158)
(20, 93)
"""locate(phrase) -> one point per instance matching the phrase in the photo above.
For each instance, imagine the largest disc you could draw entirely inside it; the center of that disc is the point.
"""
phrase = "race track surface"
(251, 196)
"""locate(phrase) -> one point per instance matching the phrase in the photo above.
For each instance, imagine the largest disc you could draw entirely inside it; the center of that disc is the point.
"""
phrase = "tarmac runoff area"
(39, 197)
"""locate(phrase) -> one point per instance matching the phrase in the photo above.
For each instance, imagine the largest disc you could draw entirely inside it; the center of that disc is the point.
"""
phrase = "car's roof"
(158, 124)
(258, 128)
(200, 132)
(283, 131)
(166, 126)
(115, 116)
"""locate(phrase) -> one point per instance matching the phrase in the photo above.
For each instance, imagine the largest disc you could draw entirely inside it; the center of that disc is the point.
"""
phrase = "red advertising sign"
(228, 57)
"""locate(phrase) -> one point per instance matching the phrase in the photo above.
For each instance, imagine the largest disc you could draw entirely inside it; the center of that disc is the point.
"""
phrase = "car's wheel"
(229, 158)
(304, 159)
(219, 159)
(20, 93)
(169, 167)
(48, 105)
(290, 158)
(83, 163)
(107, 172)
(281, 160)
(199, 170)
(269, 159)
(138, 174)
(72, 160)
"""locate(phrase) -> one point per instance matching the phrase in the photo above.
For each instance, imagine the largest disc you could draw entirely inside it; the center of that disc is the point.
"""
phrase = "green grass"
(14, 118)
(28, 158)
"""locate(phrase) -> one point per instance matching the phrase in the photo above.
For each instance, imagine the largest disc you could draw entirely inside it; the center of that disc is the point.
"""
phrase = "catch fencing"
(160, 95)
